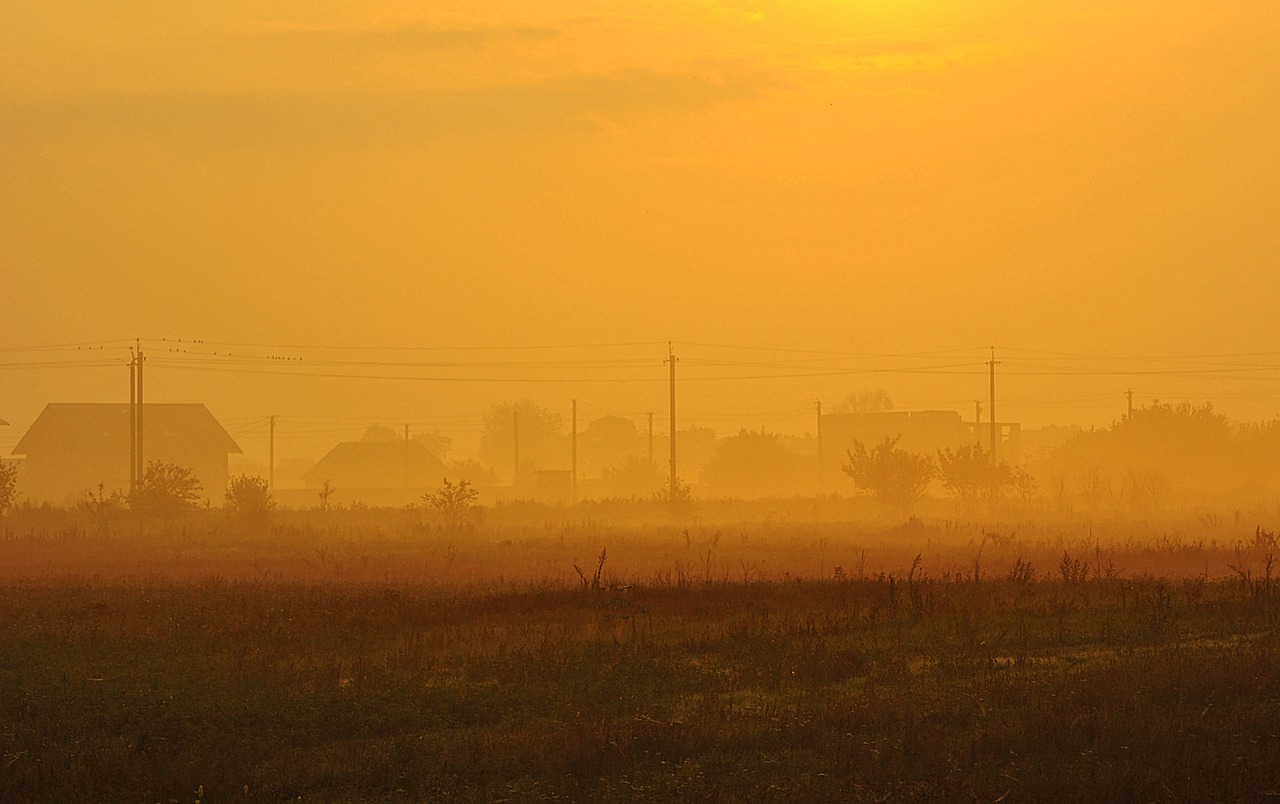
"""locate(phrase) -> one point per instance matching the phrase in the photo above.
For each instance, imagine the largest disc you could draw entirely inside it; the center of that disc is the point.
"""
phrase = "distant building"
(377, 465)
(921, 431)
(73, 447)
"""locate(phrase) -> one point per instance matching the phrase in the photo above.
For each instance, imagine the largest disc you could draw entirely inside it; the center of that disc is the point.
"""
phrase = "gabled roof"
(383, 463)
(63, 423)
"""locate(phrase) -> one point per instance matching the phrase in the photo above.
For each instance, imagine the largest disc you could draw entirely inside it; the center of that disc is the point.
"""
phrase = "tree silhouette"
(893, 477)
(969, 473)
(754, 463)
(379, 433)
(541, 438)
(608, 441)
(435, 442)
(455, 502)
(870, 400)
(165, 491)
(633, 477)
(8, 485)
(249, 498)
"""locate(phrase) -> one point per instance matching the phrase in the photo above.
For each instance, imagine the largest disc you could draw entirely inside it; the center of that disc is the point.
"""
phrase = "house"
(73, 447)
(370, 466)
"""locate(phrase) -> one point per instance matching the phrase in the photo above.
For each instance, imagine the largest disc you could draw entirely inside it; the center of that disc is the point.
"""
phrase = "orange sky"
(915, 178)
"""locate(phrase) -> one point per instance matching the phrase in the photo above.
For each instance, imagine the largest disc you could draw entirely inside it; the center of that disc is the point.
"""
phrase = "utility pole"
(818, 405)
(995, 433)
(141, 463)
(573, 498)
(977, 421)
(671, 361)
(1129, 394)
(515, 429)
(271, 454)
(404, 458)
(133, 422)
(650, 439)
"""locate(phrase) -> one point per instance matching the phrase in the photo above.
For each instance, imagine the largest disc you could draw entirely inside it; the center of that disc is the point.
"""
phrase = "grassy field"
(770, 660)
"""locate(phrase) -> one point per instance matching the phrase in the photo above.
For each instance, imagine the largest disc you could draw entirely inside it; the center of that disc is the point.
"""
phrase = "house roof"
(63, 423)
(380, 462)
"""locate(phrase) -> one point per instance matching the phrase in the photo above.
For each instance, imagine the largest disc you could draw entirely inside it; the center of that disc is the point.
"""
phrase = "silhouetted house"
(73, 447)
(377, 465)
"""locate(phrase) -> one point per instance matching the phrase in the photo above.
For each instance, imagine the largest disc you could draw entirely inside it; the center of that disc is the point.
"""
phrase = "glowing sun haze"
(918, 178)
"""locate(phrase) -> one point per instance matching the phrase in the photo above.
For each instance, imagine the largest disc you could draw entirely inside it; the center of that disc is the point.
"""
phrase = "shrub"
(165, 491)
(249, 499)
(893, 477)
(456, 502)
(103, 507)
(8, 486)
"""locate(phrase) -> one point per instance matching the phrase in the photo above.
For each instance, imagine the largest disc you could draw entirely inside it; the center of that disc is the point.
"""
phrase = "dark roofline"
(54, 412)
(344, 449)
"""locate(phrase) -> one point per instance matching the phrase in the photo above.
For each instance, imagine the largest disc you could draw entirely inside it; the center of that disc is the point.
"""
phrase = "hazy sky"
(928, 179)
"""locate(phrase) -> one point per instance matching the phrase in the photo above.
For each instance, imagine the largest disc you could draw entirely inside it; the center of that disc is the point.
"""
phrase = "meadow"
(749, 652)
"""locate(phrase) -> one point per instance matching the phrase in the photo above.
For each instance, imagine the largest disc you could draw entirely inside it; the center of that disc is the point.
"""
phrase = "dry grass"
(370, 657)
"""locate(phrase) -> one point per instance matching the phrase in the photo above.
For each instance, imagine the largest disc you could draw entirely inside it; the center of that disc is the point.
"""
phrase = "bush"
(103, 507)
(249, 499)
(165, 491)
(8, 486)
(893, 477)
(456, 502)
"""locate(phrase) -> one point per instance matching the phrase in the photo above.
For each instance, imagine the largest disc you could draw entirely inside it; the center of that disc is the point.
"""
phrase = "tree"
(1184, 451)
(103, 507)
(695, 447)
(755, 463)
(455, 502)
(165, 490)
(968, 473)
(893, 477)
(633, 477)
(870, 400)
(541, 436)
(8, 486)
(249, 499)
(435, 442)
(608, 441)
(678, 496)
(474, 472)
(326, 491)
(379, 432)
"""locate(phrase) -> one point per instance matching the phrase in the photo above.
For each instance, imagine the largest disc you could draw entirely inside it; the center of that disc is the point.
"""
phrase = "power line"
(405, 377)
(122, 344)
(1077, 355)
(63, 364)
(344, 362)
(384, 348)
(830, 352)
